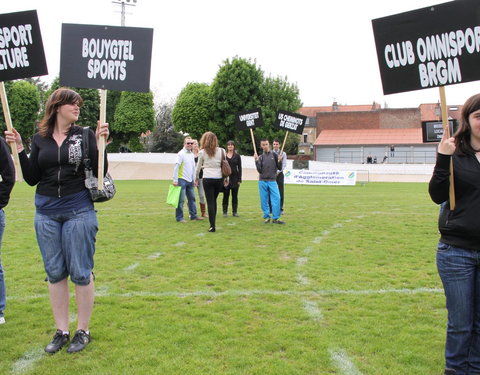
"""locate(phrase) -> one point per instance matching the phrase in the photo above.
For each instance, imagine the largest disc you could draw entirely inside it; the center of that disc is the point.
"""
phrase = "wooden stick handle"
(284, 141)
(101, 141)
(8, 121)
(446, 130)
(253, 141)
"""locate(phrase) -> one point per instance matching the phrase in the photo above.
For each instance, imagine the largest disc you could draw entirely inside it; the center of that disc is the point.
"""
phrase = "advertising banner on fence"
(290, 121)
(21, 46)
(304, 177)
(106, 57)
(429, 47)
(249, 119)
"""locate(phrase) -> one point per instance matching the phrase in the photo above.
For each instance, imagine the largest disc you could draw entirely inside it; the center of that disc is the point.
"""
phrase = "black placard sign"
(429, 47)
(249, 119)
(106, 57)
(432, 131)
(21, 47)
(290, 121)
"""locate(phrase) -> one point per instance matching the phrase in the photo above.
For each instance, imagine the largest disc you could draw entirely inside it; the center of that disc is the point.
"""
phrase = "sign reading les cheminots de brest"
(21, 47)
(290, 121)
(429, 47)
(249, 119)
(106, 57)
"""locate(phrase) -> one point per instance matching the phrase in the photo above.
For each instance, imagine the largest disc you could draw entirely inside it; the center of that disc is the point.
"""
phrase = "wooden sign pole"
(8, 121)
(284, 141)
(446, 130)
(253, 141)
(101, 140)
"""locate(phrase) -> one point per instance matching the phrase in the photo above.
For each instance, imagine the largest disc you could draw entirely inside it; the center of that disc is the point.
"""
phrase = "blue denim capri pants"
(67, 244)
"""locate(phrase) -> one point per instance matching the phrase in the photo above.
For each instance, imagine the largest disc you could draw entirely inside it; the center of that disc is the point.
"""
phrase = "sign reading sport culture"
(429, 47)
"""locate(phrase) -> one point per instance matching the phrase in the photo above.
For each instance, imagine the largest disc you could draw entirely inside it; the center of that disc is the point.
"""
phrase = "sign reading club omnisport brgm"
(106, 57)
(21, 47)
(250, 119)
(290, 121)
(429, 47)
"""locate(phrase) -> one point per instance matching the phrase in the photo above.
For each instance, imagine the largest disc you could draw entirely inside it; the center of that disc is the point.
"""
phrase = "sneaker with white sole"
(2, 320)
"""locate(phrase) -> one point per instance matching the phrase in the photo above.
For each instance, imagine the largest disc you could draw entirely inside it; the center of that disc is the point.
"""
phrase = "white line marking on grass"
(313, 310)
(101, 291)
(201, 234)
(348, 220)
(131, 267)
(307, 250)
(180, 243)
(302, 279)
(154, 255)
(302, 261)
(317, 240)
(337, 225)
(232, 224)
(314, 293)
(343, 363)
(28, 360)
(72, 317)
(325, 233)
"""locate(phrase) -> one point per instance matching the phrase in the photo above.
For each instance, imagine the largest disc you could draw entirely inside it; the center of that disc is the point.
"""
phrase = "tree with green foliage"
(236, 87)
(165, 138)
(193, 110)
(134, 115)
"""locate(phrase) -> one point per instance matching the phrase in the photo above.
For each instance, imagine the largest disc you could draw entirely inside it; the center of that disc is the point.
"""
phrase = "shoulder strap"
(85, 148)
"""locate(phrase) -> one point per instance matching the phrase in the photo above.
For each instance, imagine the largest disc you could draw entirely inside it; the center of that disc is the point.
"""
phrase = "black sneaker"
(266, 221)
(276, 221)
(79, 341)
(58, 342)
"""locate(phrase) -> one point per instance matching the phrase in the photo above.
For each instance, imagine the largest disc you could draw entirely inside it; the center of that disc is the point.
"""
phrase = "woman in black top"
(458, 252)
(234, 181)
(65, 220)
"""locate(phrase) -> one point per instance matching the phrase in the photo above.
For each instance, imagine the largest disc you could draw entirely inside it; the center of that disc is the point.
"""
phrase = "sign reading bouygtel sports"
(290, 121)
(433, 46)
(106, 57)
(250, 119)
(21, 47)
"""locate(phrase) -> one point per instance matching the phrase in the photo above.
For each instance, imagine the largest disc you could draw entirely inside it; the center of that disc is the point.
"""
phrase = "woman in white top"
(210, 159)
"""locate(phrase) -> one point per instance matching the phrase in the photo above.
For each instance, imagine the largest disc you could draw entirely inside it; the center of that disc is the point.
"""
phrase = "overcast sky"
(326, 47)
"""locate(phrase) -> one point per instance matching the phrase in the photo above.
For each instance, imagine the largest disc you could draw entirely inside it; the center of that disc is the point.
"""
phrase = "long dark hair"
(463, 134)
(58, 98)
(234, 147)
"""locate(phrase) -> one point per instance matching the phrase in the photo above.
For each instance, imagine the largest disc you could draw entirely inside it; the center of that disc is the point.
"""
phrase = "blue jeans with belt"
(188, 190)
(459, 270)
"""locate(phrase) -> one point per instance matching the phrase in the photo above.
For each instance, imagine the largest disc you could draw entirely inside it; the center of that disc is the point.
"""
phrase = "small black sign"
(290, 121)
(432, 131)
(106, 57)
(249, 119)
(429, 47)
(21, 47)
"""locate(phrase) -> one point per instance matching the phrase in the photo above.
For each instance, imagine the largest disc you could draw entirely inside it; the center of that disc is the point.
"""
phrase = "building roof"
(312, 111)
(369, 137)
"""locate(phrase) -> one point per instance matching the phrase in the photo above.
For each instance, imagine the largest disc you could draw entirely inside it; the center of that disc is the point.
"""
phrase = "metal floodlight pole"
(123, 3)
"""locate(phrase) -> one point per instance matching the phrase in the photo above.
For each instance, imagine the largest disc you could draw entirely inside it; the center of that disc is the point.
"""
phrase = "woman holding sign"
(65, 220)
(458, 252)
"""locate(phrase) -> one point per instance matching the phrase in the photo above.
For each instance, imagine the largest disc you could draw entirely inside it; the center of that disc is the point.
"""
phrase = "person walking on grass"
(210, 160)
(65, 220)
(7, 180)
(458, 260)
(267, 165)
(234, 180)
(200, 189)
(183, 175)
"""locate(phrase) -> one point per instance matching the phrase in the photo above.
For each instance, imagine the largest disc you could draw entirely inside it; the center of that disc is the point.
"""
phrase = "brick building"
(354, 133)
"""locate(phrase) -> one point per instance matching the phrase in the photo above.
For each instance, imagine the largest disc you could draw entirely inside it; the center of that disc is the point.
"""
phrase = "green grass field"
(348, 286)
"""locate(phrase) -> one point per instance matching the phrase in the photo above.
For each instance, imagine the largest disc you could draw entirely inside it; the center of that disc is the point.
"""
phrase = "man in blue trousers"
(267, 165)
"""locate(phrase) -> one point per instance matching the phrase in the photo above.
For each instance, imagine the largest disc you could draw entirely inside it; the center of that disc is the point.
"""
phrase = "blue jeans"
(188, 189)
(3, 294)
(459, 270)
(67, 244)
(269, 193)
